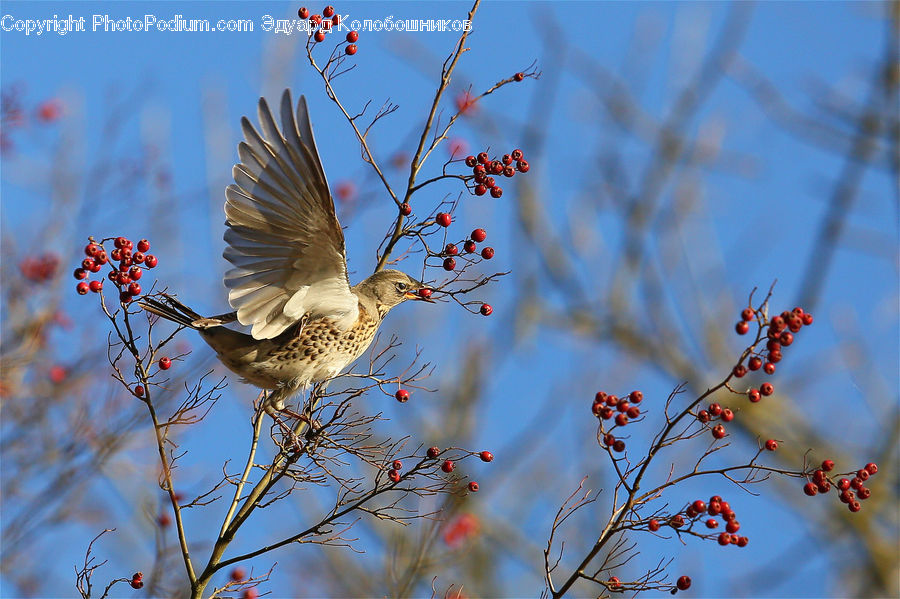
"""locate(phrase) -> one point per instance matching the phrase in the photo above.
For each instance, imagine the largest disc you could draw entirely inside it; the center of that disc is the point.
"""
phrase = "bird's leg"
(273, 404)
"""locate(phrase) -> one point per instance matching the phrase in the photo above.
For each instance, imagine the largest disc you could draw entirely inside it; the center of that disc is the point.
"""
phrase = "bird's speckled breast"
(322, 350)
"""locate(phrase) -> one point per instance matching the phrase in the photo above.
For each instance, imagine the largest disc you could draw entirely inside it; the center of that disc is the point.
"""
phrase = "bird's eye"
(401, 287)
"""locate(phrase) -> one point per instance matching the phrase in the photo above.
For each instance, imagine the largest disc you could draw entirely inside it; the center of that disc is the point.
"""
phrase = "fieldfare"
(289, 279)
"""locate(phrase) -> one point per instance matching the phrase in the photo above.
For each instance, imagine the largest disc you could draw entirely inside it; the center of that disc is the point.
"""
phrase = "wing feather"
(283, 239)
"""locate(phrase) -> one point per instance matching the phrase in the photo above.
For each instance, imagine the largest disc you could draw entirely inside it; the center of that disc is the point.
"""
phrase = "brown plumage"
(289, 282)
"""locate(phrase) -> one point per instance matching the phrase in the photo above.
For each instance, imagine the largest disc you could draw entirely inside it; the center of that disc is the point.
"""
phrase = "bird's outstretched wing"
(283, 237)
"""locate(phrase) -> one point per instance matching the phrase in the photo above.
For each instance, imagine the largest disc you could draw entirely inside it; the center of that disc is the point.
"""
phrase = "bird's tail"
(171, 309)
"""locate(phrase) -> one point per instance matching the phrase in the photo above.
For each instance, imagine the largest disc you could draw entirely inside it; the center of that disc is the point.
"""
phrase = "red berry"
(862, 474)
(856, 482)
(828, 465)
(769, 368)
(80, 273)
(718, 431)
(747, 314)
(614, 582)
(120, 242)
(405, 209)
(425, 292)
(449, 264)
(715, 409)
(699, 506)
(469, 247)
(703, 416)
(317, 19)
(351, 49)
(633, 412)
(496, 192)
(872, 468)
(753, 395)
(451, 249)
(139, 391)
(742, 327)
(328, 11)
(519, 76)
(606, 412)
(712, 523)
(727, 415)
(486, 310)
(135, 273)
(165, 363)
(517, 154)
(522, 166)
(250, 593)
(755, 363)
(433, 452)
(863, 493)
(150, 261)
(786, 338)
(479, 235)
(487, 253)
(810, 489)
(82, 288)
(402, 395)
(739, 371)
(96, 286)
(92, 250)
(352, 36)
(486, 456)
(239, 573)
(684, 583)
(143, 245)
(471, 161)
(724, 539)
(134, 289)
(618, 445)
(676, 521)
(508, 171)
(854, 506)
(766, 389)
(136, 583)
(844, 484)
(102, 258)
(496, 167)
(621, 419)
(448, 466)
(137, 258)
(443, 219)
(733, 526)
(653, 525)
(303, 13)
(482, 157)
(807, 319)
(480, 190)
(394, 476)
(771, 445)
(473, 487)
(319, 36)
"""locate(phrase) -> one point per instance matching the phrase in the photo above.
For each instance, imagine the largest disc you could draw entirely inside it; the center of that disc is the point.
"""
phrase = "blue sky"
(184, 93)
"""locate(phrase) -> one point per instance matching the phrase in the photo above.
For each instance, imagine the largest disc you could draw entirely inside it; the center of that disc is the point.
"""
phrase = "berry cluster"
(469, 252)
(780, 332)
(697, 511)
(39, 269)
(448, 466)
(484, 169)
(125, 276)
(321, 24)
(851, 491)
(608, 406)
(137, 580)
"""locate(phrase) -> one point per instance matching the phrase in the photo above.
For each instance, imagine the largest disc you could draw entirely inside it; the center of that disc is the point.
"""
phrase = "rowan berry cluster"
(851, 490)
(322, 24)
(621, 410)
(469, 254)
(779, 334)
(137, 580)
(39, 269)
(484, 169)
(124, 275)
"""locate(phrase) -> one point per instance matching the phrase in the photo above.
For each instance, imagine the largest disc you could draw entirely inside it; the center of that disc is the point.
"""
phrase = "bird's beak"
(415, 295)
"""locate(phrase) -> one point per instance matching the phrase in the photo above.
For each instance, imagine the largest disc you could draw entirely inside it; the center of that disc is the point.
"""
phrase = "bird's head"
(392, 287)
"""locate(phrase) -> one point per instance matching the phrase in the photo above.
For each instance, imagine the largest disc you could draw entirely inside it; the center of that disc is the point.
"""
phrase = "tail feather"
(171, 309)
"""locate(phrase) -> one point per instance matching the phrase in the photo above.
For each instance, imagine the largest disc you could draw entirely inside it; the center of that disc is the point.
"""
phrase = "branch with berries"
(634, 509)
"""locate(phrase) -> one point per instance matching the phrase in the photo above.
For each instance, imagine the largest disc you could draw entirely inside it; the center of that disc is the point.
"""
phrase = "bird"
(289, 281)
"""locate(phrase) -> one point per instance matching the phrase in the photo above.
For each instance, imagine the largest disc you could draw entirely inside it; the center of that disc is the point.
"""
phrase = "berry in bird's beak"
(423, 294)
